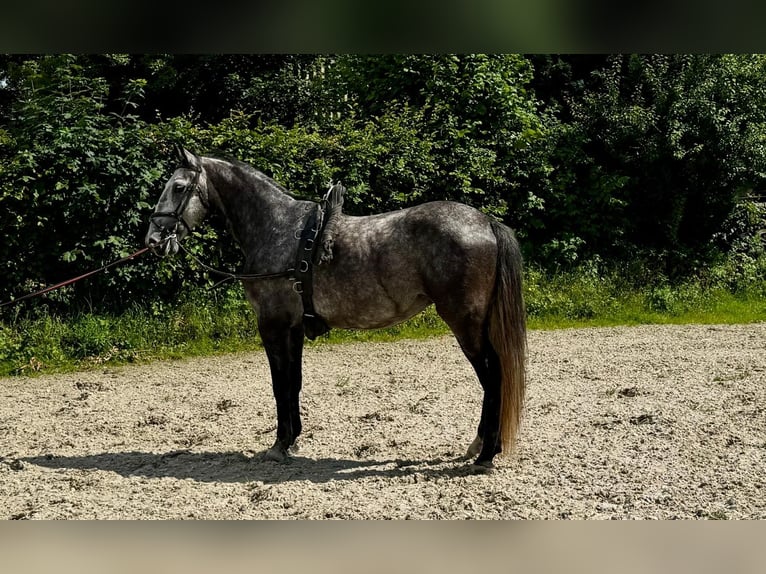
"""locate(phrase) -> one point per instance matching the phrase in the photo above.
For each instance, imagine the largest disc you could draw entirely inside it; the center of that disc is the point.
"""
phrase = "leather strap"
(303, 277)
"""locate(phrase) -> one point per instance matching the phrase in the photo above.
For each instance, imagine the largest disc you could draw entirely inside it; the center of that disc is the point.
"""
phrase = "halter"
(178, 213)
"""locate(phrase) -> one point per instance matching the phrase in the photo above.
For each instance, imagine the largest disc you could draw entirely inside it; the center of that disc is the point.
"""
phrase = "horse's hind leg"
(480, 365)
(471, 334)
(487, 442)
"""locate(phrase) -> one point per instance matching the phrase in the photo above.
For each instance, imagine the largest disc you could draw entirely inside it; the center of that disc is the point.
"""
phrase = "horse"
(384, 269)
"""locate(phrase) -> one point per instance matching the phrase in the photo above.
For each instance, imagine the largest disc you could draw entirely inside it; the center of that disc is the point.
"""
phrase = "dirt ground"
(628, 423)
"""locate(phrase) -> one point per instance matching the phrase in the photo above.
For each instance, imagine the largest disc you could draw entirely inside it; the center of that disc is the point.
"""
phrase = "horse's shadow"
(240, 467)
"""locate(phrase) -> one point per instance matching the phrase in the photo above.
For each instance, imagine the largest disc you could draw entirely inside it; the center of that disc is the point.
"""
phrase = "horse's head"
(183, 204)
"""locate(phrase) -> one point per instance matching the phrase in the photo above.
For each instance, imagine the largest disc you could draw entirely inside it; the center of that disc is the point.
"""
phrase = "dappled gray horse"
(383, 269)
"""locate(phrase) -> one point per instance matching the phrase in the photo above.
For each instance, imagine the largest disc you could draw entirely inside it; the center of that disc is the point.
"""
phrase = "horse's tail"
(508, 333)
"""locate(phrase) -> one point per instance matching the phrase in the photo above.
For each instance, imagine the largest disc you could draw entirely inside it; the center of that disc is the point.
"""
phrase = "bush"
(639, 161)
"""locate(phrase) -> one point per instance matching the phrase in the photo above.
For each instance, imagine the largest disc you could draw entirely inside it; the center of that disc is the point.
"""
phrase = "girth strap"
(303, 276)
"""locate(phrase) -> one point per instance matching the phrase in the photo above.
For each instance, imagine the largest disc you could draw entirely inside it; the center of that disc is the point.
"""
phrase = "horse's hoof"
(485, 467)
(475, 448)
(277, 454)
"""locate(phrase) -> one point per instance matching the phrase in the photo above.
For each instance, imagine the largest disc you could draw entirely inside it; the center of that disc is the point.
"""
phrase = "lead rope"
(75, 279)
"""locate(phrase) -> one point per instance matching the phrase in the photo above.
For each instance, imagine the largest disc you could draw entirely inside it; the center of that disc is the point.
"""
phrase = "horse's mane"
(254, 173)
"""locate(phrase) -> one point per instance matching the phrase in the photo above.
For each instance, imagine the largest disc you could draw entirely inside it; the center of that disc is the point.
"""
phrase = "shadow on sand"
(245, 467)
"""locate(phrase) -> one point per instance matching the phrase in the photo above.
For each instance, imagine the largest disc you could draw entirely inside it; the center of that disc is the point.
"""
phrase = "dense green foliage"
(653, 165)
(656, 151)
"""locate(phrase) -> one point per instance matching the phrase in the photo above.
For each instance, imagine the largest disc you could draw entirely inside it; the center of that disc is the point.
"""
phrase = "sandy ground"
(646, 422)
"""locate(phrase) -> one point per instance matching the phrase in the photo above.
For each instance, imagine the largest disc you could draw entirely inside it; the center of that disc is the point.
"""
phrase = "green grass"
(582, 299)
(722, 308)
(199, 324)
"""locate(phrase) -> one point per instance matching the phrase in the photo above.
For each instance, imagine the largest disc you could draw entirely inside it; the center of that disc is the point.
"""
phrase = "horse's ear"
(188, 159)
(179, 150)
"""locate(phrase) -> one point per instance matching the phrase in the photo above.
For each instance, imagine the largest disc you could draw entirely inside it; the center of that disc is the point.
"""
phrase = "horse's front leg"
(284, 349)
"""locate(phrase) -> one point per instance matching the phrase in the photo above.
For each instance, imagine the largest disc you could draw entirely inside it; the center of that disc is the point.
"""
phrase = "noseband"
(178, 213)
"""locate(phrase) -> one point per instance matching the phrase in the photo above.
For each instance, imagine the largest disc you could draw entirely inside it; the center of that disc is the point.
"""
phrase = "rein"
(238, 276)
(299, 273)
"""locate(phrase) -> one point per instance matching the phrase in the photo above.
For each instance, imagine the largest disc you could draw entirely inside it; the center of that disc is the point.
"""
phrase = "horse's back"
(388, 267)
(426, 224)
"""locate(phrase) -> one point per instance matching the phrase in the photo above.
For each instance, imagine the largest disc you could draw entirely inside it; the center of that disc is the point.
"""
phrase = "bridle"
(178, 212)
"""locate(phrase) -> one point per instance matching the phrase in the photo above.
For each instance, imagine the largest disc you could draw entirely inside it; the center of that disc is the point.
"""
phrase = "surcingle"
(332, 205)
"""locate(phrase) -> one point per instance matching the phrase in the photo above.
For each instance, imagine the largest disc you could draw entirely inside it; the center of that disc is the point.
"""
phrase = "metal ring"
(304, 266)
(309, 244)
(298, 287)
(297, 234)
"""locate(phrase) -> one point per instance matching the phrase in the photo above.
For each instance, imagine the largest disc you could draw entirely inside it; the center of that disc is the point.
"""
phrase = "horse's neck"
(253, 209)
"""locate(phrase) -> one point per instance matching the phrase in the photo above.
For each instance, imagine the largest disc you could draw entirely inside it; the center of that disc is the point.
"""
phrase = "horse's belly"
(366, 311)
